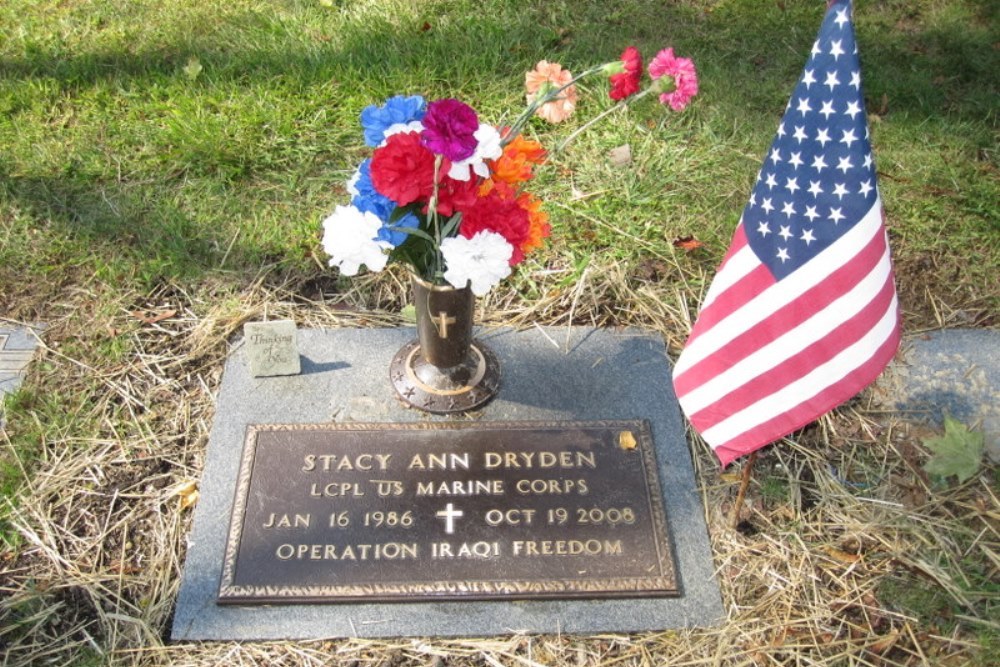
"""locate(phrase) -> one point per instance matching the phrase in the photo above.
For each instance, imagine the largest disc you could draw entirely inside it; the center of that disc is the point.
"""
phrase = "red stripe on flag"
(739, 240)
(808, 411)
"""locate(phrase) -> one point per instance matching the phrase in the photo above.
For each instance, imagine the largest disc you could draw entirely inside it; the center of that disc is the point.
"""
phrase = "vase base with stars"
(444, 370)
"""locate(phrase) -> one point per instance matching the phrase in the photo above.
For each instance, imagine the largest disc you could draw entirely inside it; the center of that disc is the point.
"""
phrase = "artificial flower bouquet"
(444, 192)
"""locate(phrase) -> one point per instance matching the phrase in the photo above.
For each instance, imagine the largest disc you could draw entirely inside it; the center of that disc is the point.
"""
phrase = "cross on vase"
(441, 322)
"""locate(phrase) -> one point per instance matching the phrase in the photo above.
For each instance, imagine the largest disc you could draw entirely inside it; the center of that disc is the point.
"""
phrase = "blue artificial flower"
(390, 230)
(362, 181)
(370, 200)
(398, 110)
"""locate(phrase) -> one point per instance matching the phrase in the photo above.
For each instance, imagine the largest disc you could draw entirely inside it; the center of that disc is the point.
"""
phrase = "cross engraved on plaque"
(441, 323)
(449, 514)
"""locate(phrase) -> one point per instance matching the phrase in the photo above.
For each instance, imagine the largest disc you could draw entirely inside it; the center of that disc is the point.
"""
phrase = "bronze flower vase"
(444, 370)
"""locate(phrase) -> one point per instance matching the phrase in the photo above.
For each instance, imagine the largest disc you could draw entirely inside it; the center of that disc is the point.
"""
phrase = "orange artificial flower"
(519, 156)
(544, 77)
(538, 221)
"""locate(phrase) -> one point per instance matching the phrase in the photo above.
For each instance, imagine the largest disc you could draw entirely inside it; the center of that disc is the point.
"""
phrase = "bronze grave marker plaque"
(445, 511)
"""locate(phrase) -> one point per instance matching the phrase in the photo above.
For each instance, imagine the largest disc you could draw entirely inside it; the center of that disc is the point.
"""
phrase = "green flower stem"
(607, 112)
(437, 267)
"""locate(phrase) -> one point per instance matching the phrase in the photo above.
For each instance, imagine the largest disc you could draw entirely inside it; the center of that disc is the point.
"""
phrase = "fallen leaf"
(187, 492)
(651, 270)
(884, 644)
(842, 556)
(959, 452)
(152, 318)
(688, 243)
(627, 441)
(119, 567)
(784, 512)
(620, 156)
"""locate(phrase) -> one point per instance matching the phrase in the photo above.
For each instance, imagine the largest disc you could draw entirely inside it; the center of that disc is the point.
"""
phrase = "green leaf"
(958, 452)
(448, 228)
(414, 231)
(409, 313)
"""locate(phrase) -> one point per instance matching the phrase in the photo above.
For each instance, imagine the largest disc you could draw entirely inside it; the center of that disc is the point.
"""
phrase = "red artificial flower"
(455, 196)
(403, 169)
(538, 220)
(626, 84)
(495, 213)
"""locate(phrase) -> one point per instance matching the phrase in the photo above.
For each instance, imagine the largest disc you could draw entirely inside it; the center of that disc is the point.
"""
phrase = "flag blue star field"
(802, 314)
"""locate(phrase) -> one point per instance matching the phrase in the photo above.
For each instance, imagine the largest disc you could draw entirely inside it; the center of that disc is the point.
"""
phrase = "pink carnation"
(682, 71)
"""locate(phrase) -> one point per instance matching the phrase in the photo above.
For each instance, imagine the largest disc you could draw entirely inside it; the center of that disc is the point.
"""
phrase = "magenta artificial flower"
(449, 129)
(681, 71)
(625, 84)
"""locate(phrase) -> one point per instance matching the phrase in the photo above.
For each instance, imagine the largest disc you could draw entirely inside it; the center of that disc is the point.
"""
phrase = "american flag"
(802, 314)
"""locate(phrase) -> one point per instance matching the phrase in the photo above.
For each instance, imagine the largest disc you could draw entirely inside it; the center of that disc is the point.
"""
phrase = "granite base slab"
(548, 374)
(953, 372)
(17, 347)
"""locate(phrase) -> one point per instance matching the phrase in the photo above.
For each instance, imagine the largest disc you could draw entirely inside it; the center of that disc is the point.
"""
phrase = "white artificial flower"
(487, 148)
(483, 261)
(399, 128)
(350, 237)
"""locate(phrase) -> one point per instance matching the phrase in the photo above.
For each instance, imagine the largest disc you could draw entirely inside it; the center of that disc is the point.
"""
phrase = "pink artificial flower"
(681, 71)
(547, 76)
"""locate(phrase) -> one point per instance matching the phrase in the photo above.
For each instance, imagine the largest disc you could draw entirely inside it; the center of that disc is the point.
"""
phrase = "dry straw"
(843, 552)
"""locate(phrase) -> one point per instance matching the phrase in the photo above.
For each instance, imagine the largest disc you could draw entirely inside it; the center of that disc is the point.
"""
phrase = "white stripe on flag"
(737, 266)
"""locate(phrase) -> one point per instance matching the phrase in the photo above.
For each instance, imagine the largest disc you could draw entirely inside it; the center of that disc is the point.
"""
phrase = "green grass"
(109, 143)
